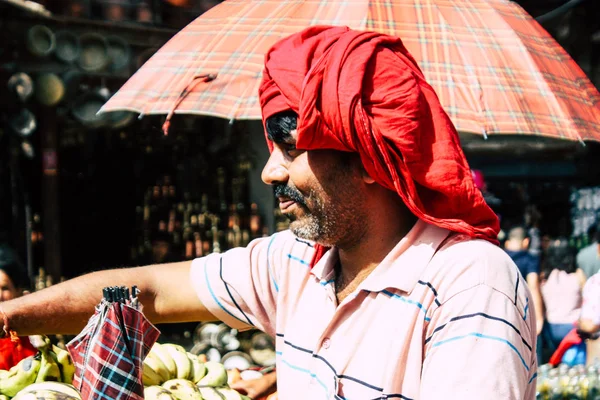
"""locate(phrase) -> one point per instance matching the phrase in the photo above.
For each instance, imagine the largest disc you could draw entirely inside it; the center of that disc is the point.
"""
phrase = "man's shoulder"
(463, 263)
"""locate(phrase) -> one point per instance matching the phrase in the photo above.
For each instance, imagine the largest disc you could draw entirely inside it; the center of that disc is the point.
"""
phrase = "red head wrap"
(363, 92)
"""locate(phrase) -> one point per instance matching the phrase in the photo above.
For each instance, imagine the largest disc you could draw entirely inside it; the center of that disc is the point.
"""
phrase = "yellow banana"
(198, 368)
(182, 389)
(157, 393)
(67, 368)
(3, 397)
(49, 390)
(211, 393)
(215, 375)
(162, 353)
(158, 366)
(179, 355)
(49, 370)
(19, 376)
(149, 376)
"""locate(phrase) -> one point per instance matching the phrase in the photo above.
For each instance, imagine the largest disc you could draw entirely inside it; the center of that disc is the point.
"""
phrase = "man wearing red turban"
(389, 283)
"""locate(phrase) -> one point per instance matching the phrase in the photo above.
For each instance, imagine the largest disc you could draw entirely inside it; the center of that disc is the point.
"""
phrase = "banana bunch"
(48, 391)
(51, 364)
(182, 389)
(170, 361)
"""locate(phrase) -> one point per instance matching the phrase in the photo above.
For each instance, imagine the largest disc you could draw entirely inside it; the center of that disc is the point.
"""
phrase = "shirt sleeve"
(532, 265)
(590, 308)
(240, 286)
(479, 346)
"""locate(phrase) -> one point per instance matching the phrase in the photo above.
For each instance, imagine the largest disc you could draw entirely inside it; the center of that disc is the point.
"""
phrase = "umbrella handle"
(188, 88)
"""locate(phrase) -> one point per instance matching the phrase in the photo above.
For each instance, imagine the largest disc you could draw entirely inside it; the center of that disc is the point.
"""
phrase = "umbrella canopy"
(109, 352)
(494, 68)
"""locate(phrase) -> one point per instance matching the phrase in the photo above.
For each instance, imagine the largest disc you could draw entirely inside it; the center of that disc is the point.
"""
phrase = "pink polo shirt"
(442, 317)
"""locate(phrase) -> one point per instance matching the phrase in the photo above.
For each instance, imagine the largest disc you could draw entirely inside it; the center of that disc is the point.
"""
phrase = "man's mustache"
(286, 191)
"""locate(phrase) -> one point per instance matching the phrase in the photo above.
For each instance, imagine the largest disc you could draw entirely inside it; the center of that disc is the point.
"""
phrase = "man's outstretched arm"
(166, 294)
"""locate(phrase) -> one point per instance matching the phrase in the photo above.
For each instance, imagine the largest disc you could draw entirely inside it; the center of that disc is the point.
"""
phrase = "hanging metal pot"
(68, 47)
(23, 122)
(49, 89)
(21, 85)
(40, 41)
(94, 55)
(119, 52)
(86, 107)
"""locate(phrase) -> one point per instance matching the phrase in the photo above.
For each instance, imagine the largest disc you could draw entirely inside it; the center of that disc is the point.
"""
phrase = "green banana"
(198, 368)
(67, 368)
(157, 393)
(19, 376)
(162, 353)
(179, 355)
(49, 390)
(216, 375)
(49, 370)
(182, 389)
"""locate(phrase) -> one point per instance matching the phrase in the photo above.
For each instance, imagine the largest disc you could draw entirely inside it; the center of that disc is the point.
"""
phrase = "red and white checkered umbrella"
(495, 69)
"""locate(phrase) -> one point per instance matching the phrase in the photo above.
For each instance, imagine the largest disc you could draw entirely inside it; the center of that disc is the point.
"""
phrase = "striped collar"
(403, 265)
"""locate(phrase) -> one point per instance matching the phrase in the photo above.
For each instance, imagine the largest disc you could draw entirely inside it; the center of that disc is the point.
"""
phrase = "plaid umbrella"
(109, 352)
(495, 69)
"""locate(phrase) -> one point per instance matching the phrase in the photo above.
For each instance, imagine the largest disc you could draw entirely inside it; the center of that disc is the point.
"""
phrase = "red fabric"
(571, 339)
(363, 92)
(12, 352)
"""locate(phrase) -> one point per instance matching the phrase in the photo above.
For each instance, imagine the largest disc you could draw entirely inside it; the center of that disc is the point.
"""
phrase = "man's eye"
(291, 150)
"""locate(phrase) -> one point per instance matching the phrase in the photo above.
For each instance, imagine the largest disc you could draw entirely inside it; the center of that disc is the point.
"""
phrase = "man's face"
(319, 191)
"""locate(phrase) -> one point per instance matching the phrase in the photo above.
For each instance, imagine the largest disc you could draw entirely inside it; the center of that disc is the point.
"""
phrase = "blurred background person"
(588, 325)
(517, 247)
(562, 285)
(588, 258)
(12, 282)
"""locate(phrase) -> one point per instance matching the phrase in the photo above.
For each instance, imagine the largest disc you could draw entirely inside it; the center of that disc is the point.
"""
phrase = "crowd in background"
(563, 284)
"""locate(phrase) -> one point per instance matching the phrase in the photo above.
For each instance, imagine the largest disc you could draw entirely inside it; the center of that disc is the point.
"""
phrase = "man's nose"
(275, 170)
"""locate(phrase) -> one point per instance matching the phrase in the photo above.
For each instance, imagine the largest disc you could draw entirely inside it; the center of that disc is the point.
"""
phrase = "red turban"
(363, 92)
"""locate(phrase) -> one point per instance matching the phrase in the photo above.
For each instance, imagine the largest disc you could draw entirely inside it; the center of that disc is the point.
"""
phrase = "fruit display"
(46, 375)
(171, 372)
(168, 372)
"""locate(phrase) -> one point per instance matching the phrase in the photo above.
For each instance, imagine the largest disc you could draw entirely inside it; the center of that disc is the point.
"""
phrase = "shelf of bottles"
(585, 213)
(196, 226)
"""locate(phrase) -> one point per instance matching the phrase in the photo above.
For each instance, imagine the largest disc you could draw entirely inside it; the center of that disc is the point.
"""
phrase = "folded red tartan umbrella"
(110, 350)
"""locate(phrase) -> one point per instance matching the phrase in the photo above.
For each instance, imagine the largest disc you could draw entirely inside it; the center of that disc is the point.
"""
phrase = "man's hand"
(255, 388)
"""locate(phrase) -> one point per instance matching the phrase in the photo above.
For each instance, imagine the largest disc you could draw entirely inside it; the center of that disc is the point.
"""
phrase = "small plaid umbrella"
(109, 352)
(495, 69)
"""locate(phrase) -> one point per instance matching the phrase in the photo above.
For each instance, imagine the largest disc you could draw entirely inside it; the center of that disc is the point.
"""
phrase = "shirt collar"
(403, 265)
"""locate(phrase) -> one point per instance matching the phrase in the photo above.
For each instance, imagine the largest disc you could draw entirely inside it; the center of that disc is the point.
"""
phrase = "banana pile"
(51, 370)
(172, 373)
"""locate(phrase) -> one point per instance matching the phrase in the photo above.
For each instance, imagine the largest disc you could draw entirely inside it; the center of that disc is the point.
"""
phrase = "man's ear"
(526, 243)
(365, 176)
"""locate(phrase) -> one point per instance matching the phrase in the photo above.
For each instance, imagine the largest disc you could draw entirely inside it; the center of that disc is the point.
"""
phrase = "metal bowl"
(68, 47)
(94, 55)
(86, 109)
(40, 40)
(119, 52)
(49, 89)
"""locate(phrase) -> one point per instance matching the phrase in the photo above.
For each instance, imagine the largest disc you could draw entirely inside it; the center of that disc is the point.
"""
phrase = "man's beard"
(317, 222)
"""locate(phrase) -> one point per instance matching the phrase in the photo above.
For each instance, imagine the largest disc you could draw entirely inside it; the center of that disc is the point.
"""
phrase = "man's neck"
(358, 260)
